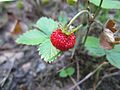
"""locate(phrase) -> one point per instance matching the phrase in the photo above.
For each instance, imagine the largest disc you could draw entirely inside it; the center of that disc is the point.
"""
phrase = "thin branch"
(87, 4)
(88, 76)
(76, 16)
(74, 82)
(96, 13)
(78, 70)
(88, 29)
(106, 76)
(98, 9)
(2, 82)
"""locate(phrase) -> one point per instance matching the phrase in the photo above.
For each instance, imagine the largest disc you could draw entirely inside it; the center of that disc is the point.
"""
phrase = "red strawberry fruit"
(62, 41)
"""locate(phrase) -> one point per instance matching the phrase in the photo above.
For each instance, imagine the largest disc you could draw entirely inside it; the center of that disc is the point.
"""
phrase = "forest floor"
(21, 68)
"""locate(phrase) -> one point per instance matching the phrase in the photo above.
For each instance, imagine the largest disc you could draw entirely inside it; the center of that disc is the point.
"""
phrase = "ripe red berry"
(62, 41)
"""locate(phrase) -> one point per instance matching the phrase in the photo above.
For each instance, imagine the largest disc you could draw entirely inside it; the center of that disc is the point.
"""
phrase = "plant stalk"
(76, 16)
(98, 9)
(96, 13)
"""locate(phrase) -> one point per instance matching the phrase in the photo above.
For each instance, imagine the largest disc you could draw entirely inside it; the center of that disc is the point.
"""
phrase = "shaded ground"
(22, 69)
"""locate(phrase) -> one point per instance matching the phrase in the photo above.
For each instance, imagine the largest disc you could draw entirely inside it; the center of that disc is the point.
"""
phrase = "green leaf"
(93, 47)
(6, 0)
(115, 49)
(32, 37)
(70, 71)
(63, 18)
(67, 72)
(47, 25)
(47, 51)
(107, 4)
(113, 56)
(63, 73)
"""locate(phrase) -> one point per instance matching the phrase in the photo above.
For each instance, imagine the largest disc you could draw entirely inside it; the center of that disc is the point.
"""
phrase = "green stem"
(86, 34)
(75, 29)
(76, 16)
(87, 3)
(96, 13)
(98, 9)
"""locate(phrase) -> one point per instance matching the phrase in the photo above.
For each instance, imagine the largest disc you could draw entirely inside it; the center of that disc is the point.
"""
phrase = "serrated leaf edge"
(17, 40)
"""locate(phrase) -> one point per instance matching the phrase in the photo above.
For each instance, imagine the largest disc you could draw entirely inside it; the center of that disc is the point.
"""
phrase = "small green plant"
(55, 37)
(94, 48)
(67, 72)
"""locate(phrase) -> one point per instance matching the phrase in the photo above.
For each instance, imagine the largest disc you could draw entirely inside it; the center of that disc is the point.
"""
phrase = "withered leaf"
(107, 39)
(110, 25)
(16, 30)
(104, 42)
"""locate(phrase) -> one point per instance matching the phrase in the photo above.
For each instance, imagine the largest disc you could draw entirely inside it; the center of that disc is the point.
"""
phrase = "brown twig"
(2, 82)
(74, 82)
(78, 70)
(106, 76)
(88, 76)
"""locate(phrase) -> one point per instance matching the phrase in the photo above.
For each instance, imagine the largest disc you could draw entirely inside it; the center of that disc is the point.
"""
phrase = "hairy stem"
(87, 4)
(96, 13)
(88, 29)
(98, 9)
(76, 16)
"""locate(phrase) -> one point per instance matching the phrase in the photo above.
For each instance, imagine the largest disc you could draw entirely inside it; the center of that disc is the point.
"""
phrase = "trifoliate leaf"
(32, 37)
(47, 25)
(107, 4)
(113, 56)
(93, 47)
(47, 51)
(67, 72)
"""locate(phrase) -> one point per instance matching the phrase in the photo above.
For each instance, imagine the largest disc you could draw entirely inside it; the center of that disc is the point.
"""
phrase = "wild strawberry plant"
(54, 37)
(67, 72)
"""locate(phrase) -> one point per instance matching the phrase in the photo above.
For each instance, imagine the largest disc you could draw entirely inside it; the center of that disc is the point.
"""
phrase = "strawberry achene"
(62, 41)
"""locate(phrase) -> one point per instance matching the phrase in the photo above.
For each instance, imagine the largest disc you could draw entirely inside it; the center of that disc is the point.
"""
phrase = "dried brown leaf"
(16, 30)
(104, 42)
(110, 25)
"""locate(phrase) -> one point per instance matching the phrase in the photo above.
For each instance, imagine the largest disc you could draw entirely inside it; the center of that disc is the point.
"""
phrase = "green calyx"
(68, 29)
(71, 29)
